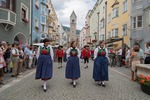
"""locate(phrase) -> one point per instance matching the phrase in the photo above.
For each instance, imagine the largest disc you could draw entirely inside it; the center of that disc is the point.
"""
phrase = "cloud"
(64, 9)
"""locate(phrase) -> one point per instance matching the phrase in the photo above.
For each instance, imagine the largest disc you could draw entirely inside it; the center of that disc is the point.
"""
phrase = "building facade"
(15, 21)
(118, 23)
(54, 27)
(82, 40)
(140, 21)
(94, 23)
(40, 11)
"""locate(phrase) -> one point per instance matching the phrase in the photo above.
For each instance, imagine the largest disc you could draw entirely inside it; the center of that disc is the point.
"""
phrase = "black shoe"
(100, 83)
(103, 84)
(44, 90)
(1, 83)
(71, 82)
(74, 85)
(59, 67)
(12, 75)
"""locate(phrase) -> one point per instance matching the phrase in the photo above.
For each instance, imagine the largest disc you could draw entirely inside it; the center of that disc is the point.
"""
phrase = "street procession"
(74, 49)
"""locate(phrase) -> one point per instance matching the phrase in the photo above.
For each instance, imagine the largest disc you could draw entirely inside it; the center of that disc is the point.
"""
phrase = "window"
(134, 22)
(125, 6)
(109, 18)
(138, 22)
(115, 32)
(37, 3)
(124, 29)
(43, 28)
(43, 19)
(43, 10)
(24, 13)
(3, 3)
(109, 35)
(9, 4)
(115, 12)
(102, 23)
(36, 23)
(102, 37)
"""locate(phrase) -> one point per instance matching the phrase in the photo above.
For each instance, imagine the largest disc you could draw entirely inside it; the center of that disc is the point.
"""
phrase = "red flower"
(142, 76)
(147, 78)
(142, 81)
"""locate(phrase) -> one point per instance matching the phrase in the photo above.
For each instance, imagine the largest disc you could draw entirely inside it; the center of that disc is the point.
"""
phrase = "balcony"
(7, 18)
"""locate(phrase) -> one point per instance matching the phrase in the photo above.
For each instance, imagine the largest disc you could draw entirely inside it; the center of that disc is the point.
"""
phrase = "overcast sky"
(64, 9)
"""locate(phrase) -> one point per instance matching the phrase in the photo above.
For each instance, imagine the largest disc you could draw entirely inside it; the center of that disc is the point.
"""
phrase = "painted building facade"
(40, 12)
(15, 21)
(82, 40)
(118, 22)
(140, 21)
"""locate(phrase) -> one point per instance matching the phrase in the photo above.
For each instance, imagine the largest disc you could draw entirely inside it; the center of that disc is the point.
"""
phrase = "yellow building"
(118, 22)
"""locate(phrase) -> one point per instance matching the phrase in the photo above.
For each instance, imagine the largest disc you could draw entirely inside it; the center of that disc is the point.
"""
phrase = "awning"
(114, 39)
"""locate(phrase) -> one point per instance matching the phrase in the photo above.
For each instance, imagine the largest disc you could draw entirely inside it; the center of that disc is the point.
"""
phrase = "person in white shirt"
(15, 59)
(100, 70)
(73, 63)
(31, 55)
(127, 56)
(44, 68)
(120, 57)
(147, 53)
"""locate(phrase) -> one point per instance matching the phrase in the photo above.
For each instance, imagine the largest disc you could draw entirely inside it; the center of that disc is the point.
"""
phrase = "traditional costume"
(100, 71)
(44, 69)
(86, 54)
(60, 56)
(73, 66)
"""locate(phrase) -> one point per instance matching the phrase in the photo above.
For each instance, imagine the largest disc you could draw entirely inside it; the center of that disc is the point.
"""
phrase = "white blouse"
(51, 52)
(96, 52)
(68, 52)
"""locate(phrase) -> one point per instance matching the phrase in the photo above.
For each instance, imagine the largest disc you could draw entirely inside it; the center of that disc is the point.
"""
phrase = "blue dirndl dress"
(73, 66)
(44, 68)
(100, 70)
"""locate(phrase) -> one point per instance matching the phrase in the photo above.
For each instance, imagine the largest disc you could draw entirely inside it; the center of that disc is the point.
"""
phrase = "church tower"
(73, 20)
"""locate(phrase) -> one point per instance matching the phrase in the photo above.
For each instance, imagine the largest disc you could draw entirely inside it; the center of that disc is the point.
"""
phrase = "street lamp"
(98, 27)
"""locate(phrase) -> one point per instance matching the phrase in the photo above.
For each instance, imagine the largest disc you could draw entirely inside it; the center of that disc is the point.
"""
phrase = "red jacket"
(86, 53)
(59, 53)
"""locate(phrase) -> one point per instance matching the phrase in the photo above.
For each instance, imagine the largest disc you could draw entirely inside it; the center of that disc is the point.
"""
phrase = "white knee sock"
(44, 85)
(74, 82)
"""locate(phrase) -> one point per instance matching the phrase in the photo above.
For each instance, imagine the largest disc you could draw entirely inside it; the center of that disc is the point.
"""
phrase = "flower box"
(145, 83)
(25, 20)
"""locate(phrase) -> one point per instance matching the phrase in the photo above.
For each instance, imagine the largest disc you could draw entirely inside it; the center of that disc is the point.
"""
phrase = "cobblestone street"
(119, 87)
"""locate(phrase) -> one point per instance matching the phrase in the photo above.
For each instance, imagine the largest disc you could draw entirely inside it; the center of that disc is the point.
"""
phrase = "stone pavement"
(119, 87)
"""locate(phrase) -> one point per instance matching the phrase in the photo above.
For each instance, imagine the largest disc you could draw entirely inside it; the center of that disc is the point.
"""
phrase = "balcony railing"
(7, 17)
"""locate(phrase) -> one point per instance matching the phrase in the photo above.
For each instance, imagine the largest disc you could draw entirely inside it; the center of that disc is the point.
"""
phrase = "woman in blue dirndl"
(44, 69)
(100, 71)
(73, 66)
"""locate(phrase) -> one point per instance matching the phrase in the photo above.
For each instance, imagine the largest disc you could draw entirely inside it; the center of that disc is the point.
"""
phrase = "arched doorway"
(21, 38)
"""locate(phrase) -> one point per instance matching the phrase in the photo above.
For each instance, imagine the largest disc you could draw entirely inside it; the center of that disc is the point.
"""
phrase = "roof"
(73, 14)
(68, 29)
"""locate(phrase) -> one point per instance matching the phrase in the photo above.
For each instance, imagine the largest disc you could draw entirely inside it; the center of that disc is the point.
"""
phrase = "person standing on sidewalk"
(147, 53)
(44, 68)
(21, 59)
(60, 56)
(120, 57)
(1, 64)
(100, 70)
(134, 59)
(73, 63)
(27, 53)
(86, 54)
(127, 57)
(15, 59)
